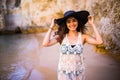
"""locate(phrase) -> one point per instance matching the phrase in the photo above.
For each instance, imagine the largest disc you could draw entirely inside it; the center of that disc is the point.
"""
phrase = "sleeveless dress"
(71, 66)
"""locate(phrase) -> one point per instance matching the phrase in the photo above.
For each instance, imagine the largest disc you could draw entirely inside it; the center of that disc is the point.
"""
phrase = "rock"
(27, 13)
(108, 17)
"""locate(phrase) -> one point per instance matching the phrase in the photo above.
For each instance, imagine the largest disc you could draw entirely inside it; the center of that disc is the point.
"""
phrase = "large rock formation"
(38, 13)
(25, 13)
(107, 15)
(10, 14)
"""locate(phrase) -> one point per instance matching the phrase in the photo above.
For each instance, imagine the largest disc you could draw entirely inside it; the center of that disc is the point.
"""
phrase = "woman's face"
(72, 23)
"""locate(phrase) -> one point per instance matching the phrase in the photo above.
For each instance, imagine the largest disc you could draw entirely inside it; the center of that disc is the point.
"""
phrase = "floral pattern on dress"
(67, 49)
(71, 66)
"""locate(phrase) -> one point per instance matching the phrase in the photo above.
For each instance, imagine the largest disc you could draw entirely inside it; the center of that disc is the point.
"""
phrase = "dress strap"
(80, 38)
(65, 41)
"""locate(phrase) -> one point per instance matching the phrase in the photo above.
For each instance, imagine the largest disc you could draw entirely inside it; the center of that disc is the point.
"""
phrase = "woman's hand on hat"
(90, 20)
(52, 23)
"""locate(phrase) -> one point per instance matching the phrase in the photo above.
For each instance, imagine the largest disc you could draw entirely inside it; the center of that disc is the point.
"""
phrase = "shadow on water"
(20, 56)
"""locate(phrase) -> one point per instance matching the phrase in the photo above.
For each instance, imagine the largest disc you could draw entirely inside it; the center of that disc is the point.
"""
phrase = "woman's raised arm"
(47, 41)
(93, 40)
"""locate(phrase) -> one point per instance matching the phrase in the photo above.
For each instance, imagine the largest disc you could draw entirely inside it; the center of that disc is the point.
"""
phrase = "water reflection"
(19, 54)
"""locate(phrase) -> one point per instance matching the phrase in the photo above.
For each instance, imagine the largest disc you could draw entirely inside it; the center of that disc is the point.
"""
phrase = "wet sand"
(98, 66)
(23, 58)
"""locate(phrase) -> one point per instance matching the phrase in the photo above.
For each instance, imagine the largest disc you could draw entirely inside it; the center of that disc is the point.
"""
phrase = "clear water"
(18, 55)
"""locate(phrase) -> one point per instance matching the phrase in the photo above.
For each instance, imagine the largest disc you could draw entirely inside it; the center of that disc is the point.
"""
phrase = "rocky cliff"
(25, 13)
(107, 16)
(38, 13)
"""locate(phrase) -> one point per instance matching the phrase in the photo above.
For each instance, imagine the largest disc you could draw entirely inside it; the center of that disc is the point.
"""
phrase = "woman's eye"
(74, 20)
(68, 21)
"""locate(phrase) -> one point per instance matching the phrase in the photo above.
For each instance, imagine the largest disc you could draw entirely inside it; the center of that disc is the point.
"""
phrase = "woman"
(71, 36)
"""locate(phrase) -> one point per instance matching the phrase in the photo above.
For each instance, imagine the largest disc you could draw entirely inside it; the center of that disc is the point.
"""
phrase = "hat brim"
(81, 16)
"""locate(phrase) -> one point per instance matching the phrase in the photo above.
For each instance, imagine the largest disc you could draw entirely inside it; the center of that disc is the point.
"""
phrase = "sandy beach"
(98, 66)
(23, 58)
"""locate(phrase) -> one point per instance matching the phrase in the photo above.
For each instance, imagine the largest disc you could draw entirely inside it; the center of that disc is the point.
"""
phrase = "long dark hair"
(63, 30)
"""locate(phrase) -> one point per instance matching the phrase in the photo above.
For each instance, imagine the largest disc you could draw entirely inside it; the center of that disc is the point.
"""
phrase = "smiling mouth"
(72, 26)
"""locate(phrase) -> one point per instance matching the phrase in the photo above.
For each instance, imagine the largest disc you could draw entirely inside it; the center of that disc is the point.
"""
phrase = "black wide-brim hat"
(81, 16)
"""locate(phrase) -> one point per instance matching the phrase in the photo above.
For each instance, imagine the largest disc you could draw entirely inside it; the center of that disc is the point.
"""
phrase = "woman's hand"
(52, 23)
(90, 20)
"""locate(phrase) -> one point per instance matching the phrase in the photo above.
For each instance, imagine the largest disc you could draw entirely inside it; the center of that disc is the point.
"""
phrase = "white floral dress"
(71, 66)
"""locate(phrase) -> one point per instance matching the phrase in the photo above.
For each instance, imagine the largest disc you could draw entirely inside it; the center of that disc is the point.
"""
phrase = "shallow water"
(18, 55)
